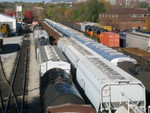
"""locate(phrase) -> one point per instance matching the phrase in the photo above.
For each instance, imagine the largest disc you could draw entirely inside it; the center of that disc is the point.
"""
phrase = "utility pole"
(19, 13)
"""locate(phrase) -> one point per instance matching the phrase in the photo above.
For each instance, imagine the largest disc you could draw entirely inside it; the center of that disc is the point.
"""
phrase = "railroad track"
(13, 90)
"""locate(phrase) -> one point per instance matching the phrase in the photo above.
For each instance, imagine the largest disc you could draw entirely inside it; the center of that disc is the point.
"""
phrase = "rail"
(17, 85)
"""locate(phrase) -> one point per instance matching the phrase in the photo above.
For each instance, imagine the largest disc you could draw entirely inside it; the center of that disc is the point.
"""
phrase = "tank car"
(60, 95)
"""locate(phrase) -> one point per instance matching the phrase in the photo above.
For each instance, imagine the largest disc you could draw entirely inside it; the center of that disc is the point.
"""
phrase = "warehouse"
(6, 19)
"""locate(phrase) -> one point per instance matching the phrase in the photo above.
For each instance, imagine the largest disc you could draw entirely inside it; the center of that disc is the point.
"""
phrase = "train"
(142, 40)
(59, 95)
(110, 54)
(102, 82)
(106, 85)
(101, 34)
(41, 37)
(58, 92)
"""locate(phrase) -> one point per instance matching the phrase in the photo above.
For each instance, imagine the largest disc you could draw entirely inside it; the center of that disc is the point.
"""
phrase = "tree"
(10, 13)
(1, 8)
(28, 14)
(147, 24)
(87, 11)
(143, 4)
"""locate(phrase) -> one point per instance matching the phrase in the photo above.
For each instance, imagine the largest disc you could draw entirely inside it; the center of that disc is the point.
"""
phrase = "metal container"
(138, 40)
(50, 57)
(107, 85)
(110, 39)
(57, 89)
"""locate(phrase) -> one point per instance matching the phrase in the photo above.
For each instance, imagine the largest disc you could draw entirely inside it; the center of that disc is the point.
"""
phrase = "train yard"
(14, 88)
(66, 74)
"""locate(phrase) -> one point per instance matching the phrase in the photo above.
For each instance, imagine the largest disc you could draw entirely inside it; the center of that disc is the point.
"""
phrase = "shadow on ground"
(10, 48)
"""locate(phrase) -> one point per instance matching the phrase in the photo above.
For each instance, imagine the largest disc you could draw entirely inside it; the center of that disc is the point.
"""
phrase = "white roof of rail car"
(53, 53)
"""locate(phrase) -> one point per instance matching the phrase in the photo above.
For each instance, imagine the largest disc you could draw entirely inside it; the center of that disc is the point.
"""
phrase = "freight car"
(50, 57)
(106, 85)
(60, 95)
(138, 40)
(93, 31)
(112, 55)
(41, 37)
(57, 90)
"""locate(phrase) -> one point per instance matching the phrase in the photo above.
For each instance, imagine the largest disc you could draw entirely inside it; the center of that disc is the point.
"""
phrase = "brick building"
(125, 19)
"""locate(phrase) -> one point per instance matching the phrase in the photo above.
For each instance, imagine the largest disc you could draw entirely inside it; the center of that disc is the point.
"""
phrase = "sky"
(38, 0)
(25, 0)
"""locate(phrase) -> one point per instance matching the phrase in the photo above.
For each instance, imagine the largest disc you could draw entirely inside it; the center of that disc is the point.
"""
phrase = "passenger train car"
(107, 86)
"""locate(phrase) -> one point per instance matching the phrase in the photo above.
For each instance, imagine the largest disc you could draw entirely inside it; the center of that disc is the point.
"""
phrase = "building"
(125, 19)
(126, 2)
(63, 1)
(82, 0)
(5, 19)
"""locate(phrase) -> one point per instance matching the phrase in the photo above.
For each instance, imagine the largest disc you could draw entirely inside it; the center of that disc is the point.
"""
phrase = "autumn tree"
(38, 13)
(28, 14)
(10, 13)
(147, 24)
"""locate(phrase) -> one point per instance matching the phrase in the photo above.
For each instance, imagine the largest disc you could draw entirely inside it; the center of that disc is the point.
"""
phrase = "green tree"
(143, 4)
(88, 11)
(94, 8)
(1, 8)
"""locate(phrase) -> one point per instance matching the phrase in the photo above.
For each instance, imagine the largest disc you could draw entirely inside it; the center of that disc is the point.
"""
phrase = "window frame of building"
(106, 15)
(113, 16)
(116, 15)
(109, 15)
(133, 15)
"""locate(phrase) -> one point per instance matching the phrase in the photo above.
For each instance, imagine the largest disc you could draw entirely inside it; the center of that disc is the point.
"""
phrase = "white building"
(6, 19)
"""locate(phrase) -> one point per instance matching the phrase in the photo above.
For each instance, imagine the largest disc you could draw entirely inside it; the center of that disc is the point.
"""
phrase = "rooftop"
(127, 11)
